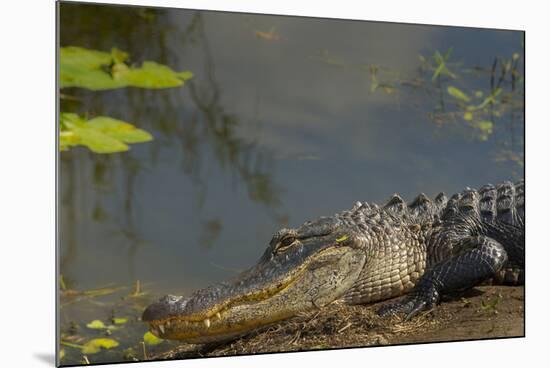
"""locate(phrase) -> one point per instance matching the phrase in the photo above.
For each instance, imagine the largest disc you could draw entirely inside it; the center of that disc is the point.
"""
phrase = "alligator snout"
(167, 307)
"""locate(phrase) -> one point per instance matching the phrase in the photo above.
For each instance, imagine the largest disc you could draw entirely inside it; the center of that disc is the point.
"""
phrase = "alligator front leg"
(479, 258)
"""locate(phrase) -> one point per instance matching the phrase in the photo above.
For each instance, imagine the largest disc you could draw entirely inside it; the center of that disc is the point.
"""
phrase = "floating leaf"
(468, 116)
(97, 70)
(95, 345)
(485, 126)
(80, 67)
(151, 339)
(101, 134)
(96, 325)
(120, 130)
(185, 75)
(120, 321)
(478, 94)
(98, 142)
(150, 75)
(119, 56)
(78, 56)
(458, 94)
(61, 354)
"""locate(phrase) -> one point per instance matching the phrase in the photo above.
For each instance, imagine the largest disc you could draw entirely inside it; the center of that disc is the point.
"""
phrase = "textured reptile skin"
(437, 247)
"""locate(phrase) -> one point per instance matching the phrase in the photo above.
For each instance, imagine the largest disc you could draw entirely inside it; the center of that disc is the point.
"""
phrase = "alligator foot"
(421, 299)
(479, 258)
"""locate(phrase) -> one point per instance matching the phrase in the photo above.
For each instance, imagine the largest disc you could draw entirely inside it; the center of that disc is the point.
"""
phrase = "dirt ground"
(483, 312)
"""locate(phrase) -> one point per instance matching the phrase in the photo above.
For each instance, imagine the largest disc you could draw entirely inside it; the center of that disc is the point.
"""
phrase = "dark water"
(279, 125)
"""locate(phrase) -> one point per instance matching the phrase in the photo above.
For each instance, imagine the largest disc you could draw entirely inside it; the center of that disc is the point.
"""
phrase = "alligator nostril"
(170, 299)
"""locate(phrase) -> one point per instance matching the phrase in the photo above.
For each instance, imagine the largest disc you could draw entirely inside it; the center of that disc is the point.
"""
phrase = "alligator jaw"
(168, 317)
(312, 275)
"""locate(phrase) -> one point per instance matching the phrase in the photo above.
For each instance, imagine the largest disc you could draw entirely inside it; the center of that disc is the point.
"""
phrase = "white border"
(27, 185)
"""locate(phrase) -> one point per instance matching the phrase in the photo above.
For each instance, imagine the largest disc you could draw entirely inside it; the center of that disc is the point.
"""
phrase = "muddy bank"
(484, 312)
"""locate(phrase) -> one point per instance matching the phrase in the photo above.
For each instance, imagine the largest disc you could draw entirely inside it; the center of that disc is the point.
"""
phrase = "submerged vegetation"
(117, 331)
(450, 83)
(96, 71)
(478, 107)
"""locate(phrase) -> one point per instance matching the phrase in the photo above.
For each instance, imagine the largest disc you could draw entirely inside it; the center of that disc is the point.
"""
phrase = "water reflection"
(280, 124)
(207, 126)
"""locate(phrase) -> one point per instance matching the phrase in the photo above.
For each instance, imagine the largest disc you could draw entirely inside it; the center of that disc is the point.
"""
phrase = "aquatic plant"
(97, 70)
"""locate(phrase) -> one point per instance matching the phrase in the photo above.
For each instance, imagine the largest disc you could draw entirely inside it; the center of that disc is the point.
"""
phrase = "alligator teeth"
(218, 315)
(161, 328)
(206, 323)
(168, 323)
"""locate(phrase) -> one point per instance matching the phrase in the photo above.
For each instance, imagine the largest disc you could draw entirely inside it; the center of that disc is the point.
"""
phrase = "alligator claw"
(419, 307)
(411, 305)
(392, 309)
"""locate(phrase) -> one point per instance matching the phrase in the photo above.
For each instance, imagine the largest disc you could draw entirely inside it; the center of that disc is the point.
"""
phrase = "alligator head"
(302, 269)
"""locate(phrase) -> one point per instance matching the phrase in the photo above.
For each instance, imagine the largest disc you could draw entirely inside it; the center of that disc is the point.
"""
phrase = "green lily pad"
(120, 321)
(98, 70)
(96, 325)
(151, 339)
(98, 142)
(101, 134)
(150, 75)
(120, 130)
(95, 345)
(79, 56)
(119, 56)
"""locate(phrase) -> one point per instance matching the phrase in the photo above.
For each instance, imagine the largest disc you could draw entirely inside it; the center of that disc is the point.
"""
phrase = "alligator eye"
(286, 242)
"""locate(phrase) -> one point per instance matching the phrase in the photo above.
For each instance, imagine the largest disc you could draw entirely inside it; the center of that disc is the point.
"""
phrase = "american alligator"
(366, 254)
